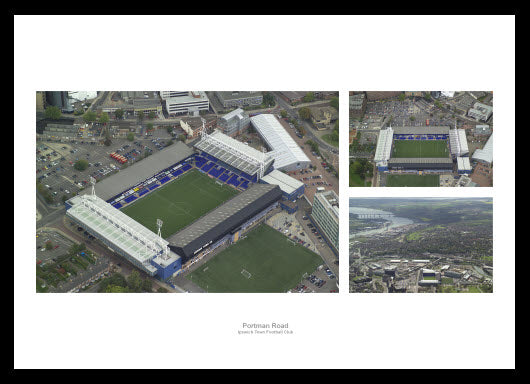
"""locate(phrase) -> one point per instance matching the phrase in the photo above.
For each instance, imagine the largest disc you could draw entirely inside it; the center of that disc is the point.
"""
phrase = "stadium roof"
(485, 154)
(421, 160)
(458, 142)
(236, 95)
(463, 164)
(285, 151)
(233, 152)
(117, 228)
(286, 183)
(224, 219)
(384, 145)
(141, 170)
(424, 129)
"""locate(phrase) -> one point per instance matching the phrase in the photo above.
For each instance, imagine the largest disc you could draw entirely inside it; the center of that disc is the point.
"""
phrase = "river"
(395, 221)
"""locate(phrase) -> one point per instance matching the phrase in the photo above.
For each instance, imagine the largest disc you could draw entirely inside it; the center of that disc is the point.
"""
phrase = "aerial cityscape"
(421, 245)
(421, 139)
(187, 191)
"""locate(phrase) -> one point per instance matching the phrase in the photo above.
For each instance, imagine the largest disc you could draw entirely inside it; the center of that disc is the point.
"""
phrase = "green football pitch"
(179, 202)
(420, 148)
(413, 180)
(270, 262)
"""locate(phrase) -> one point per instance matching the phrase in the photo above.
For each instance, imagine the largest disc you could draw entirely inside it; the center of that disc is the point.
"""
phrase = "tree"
(151, 115)
(283, 113)
(147, 285)
(149, 126)
(130, 136)
(309, 96)
(49, 245)
(116, 289)
(107, 141)
(162, 290)
(401, 97)
(89, 116)
(140, 115)
(119, 113)
(52, 112)
(169, 129)
(134, 281)
(412, 118)
(81, 164)
(182, 137)
(268, 99)
(334, 102)
(427, 96)
(304, 113)
(104, 118)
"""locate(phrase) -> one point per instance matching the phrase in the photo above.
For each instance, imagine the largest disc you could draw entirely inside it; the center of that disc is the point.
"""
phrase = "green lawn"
(179, 202)
(420, 148)
(356, 181)
(274, 262)
(413, 180)
(329, 138)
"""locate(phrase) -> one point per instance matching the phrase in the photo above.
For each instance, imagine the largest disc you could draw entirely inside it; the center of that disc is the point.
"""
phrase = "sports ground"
(270, 262)
(413, 180)
(179, 202)
(420, 148)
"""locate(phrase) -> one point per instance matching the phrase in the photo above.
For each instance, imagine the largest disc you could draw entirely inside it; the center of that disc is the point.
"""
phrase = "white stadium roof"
(458, 142)
(286, 153)
(286, 183)
(384, 145)
(463, 163)
(485, 154)
(233, 152)
(117, 228)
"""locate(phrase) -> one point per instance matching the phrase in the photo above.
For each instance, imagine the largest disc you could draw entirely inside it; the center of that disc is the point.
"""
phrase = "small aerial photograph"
(421, 139)
(416, 245)
(187, 191)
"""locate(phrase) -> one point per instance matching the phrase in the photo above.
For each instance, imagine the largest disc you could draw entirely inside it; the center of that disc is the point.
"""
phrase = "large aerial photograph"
(187, 191)
(421, 244)
(421, 139)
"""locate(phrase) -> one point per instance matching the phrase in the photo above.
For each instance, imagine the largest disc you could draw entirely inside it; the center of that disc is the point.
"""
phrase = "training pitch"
(420, 148)
(274, 263)
(179, 202)
(413, 180)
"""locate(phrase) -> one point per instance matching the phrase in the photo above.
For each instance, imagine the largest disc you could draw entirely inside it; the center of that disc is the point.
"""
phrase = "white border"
(272, 53)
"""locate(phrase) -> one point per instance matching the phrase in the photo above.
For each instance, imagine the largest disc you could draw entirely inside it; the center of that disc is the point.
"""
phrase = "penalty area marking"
(246, 273)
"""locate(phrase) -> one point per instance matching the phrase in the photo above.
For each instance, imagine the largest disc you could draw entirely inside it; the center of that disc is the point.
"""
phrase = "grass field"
(274, 262)
(413, 180)
(179, 202)
(420, 148)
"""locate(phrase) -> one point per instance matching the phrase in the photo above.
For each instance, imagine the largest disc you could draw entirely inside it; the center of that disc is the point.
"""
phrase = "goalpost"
(246, 273)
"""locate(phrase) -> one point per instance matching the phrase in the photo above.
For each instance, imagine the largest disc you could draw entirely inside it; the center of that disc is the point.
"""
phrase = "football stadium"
(168, 211)
(416, 156)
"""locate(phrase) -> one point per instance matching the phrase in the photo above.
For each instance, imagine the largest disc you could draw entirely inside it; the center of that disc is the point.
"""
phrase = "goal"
(246, 273)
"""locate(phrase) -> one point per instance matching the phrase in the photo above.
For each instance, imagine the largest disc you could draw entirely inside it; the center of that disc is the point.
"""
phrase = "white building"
(286, 152)
(192, 103)
(485, 155)
(480, 111)
(168, 94)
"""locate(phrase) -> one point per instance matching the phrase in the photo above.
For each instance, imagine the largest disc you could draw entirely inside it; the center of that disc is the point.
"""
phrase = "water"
(395, 221)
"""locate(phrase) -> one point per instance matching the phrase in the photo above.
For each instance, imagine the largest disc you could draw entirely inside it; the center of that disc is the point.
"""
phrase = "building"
(61, 129)
(141, 171)
(236, 155)
(293, 97)
(421, 164)
(325, 214)
(291, 188)
(480, 112)
(463, 165)
(383, 149)
(168, 94)
(322, 117)
(239, 99)
(147, 105)
(285, 151)
(357, 105)
(483, 175)
(414, 93)
(484, 155)
(482, 129)
(226, 222)
(123, 235)
(234, 123)
(59, 99)
(192, 104)
(41, 101)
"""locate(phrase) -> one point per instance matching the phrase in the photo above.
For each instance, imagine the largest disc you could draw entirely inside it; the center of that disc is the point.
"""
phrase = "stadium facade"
(325, 214)
(226, 222)
(292, 189)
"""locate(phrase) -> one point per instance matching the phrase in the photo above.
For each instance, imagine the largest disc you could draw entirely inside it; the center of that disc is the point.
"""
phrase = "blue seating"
(207, 167)
(177, 172)
(164, 180)
(117, 205)
(143, 192)
(130, 198)
(186, 167)
(224, 177)
(153, 187)
(244, 184)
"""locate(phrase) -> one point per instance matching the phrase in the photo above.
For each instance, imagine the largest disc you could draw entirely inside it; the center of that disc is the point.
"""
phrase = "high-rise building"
(41, 101)
(325, 214)
(59, 99)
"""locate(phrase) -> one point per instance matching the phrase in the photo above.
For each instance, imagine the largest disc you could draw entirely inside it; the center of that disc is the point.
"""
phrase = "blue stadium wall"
(165, 273)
